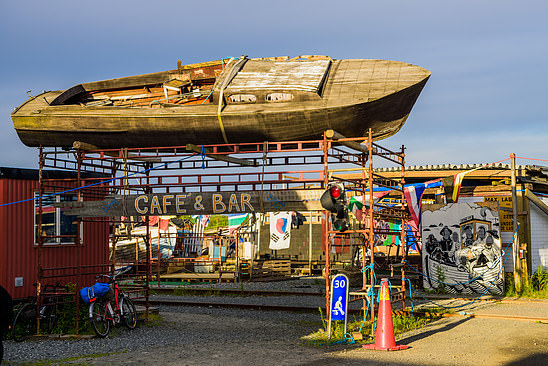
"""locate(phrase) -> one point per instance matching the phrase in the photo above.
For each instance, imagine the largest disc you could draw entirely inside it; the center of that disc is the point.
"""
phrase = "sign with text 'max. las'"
(197, 203)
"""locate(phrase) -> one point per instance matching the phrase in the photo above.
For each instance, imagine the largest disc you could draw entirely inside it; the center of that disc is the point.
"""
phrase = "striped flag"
(457, 184)
(355, 204)
(452, 184)
(413, 197)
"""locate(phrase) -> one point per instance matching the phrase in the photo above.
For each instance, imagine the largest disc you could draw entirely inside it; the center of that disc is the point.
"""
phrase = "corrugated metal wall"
(19, 255)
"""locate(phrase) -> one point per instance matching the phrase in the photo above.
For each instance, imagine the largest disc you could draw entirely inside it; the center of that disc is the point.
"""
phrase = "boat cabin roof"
(258, 75)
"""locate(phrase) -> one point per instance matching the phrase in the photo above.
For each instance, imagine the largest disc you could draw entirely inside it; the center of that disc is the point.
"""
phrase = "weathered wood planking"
(291, 100)
(197, 203)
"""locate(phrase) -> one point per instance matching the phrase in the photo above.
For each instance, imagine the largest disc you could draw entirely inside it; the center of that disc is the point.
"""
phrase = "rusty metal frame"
(368, 181)
(170, 169)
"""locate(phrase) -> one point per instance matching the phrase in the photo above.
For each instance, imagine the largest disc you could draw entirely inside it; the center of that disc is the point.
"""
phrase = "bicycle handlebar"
(117, 273)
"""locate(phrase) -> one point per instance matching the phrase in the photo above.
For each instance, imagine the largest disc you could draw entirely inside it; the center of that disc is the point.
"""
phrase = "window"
(242, 98)
(56, 226)
(279, 97)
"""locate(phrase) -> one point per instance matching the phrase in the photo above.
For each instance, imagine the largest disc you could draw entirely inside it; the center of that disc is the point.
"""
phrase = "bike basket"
(90, 294)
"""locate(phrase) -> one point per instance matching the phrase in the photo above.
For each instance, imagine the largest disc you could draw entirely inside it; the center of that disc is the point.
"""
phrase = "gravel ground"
(216, 336)
(193, 332)
(299, 284)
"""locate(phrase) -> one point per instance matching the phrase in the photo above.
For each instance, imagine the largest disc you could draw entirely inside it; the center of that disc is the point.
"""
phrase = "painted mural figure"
(462, 248)
(446, 245)
(456, 252)
(433, 247)
(485, 254)
(480, 237)
(468, 236)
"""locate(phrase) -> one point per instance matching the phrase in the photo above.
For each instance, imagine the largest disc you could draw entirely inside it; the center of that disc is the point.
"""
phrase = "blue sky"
(485, 99)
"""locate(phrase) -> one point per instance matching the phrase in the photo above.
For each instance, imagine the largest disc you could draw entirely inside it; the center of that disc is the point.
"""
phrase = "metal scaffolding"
(396, 212)
(264, 167)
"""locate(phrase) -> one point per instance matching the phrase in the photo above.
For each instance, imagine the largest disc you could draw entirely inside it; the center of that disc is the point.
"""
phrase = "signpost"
(338, 303)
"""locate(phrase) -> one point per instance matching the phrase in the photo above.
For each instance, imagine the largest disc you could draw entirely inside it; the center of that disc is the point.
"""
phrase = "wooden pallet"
(272, 270)
(198, 277)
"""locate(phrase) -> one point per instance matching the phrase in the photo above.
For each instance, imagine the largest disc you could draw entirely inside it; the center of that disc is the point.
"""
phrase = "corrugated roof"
(32, 174)
(460, 167)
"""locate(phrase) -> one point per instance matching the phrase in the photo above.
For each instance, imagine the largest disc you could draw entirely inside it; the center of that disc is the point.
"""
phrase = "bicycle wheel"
(129, 314)
(48, 319)
(24, 323)
(98, 318)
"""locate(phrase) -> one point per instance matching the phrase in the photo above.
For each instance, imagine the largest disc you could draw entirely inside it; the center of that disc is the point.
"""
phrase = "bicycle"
(24, 323)
(102, 315)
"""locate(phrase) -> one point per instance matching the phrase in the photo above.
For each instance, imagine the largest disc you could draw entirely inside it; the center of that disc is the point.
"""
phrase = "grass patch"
(153, 320)
(401, 323)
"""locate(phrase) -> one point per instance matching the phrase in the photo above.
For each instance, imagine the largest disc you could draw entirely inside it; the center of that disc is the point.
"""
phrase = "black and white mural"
(461, 250)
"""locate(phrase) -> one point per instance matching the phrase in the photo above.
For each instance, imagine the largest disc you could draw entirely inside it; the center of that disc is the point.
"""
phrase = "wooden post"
(515, 249)
(310, 242)
(158, 254)
(237, 254)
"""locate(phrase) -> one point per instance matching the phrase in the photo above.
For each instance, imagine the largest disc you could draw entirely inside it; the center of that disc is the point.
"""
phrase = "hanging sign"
(196, 203)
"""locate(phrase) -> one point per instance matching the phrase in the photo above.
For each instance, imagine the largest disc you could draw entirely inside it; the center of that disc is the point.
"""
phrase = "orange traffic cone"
(384, 339)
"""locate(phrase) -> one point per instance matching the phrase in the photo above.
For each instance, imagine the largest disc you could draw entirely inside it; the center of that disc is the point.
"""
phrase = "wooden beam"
(79, 145)
(537, 201)
(334, 135)
(229, 159)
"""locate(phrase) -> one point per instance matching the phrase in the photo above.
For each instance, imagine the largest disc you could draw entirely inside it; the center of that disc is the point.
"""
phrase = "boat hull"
(461, 281)
(39, 124)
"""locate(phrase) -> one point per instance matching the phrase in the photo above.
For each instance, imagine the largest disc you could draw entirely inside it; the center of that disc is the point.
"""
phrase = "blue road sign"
(339, 297)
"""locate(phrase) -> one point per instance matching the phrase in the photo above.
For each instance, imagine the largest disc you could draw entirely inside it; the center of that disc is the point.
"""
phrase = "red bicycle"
(113, 308)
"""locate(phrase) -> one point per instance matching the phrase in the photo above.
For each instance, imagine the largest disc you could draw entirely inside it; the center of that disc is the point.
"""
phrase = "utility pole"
(515, 249)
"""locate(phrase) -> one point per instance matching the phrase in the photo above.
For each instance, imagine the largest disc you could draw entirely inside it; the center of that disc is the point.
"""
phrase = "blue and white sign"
(339, 300)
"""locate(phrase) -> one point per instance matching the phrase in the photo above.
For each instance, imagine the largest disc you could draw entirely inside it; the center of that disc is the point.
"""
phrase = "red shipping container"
(18, 250)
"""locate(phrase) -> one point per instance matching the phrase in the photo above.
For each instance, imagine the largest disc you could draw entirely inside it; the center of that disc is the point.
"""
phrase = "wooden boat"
(458, 281)
(227, 101)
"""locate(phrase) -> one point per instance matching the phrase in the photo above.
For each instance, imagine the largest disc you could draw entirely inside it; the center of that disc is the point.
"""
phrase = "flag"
(163, 223)
(205, 220)
(413, 197)
(235, 221)
(280, 230)
(452, 185)
(458, 182)
(153, 220)
(355, 204)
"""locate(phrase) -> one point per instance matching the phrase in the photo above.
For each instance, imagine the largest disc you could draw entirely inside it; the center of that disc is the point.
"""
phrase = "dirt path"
(462, 340)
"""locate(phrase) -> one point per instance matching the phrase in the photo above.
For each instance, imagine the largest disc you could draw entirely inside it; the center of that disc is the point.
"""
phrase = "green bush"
(539, 280)
(536, 287)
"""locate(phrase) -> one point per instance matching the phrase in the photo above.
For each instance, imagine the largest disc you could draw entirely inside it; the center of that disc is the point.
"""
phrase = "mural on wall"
(461, 248)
